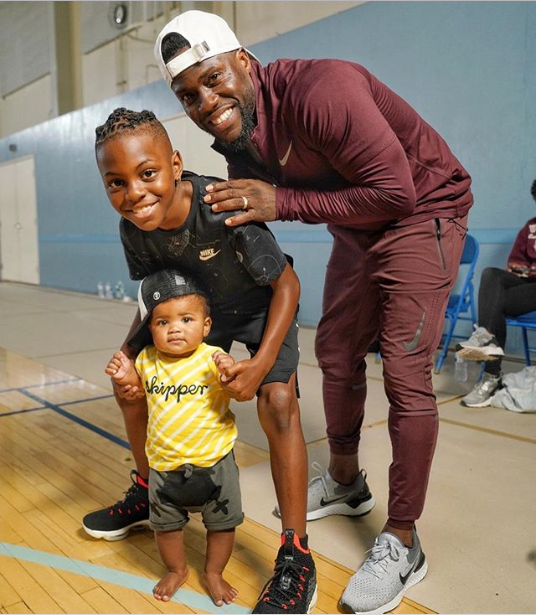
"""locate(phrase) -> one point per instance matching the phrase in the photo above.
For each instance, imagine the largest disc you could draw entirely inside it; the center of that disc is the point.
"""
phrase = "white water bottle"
(119, 291)
(100, 290)
(460, 370)
(108, 293)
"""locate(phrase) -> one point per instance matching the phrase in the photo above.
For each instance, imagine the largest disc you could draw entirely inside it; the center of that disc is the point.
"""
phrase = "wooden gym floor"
(60, 443)
(63, 453)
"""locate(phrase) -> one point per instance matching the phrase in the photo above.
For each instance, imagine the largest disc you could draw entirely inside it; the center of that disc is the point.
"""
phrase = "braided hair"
(122, 119)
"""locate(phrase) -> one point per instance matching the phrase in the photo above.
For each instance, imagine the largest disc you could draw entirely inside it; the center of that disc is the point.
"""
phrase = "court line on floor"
(486, 430)
(64, 403)
(22, 411)
(126, 445)
(186, 597)
(83, 401)
(493, 432)
(77, 419)
(42, 384)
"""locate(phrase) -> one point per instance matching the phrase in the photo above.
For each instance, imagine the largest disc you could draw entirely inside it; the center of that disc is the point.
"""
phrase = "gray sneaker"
(481, 346)
(481, 395)
(326, 496)
(383, 579)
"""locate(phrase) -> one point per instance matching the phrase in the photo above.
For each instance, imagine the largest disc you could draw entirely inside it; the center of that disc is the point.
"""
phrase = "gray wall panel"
(24, 58)
(96, 18)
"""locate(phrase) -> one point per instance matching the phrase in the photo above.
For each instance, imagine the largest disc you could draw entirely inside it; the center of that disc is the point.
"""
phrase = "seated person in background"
(191, 431)
(502, 293)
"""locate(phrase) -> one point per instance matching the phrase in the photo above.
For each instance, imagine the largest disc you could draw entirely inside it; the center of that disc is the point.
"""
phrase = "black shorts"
(229, 328)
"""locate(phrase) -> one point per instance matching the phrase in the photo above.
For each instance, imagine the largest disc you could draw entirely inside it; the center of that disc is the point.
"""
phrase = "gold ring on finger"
(246, 202)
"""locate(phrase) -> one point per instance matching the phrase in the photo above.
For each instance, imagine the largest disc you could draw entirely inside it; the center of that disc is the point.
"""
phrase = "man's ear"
(243, 59)
(176, 161)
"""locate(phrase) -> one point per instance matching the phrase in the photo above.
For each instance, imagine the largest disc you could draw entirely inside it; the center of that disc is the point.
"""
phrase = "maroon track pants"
(392, 286)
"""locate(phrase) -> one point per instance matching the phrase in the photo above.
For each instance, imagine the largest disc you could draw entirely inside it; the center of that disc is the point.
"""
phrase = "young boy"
(253, 293)
(191, 430)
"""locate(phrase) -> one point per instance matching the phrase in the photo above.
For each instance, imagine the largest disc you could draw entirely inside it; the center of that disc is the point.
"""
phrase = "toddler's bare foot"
(219, 589)
(168, 585)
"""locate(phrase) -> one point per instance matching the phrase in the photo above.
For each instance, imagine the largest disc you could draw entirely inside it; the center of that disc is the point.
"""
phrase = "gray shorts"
(214, 492)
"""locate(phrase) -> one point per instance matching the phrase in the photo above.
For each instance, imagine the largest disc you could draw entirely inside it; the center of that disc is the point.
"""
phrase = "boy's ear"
(176, 162)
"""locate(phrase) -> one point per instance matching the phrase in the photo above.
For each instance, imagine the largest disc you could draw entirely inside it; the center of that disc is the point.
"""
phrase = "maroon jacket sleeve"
(519, 254)
(338, 117)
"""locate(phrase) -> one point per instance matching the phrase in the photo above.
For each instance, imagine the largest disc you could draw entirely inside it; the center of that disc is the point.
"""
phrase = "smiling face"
(218, 95)
(179, 325)
(139, 170)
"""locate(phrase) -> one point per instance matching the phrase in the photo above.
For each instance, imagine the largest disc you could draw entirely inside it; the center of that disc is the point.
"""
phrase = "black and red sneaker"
(292, 589)
(115, 522)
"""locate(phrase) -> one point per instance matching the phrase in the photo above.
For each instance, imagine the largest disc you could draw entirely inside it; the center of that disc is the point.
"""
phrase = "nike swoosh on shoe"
(324, 502)
(416, 564)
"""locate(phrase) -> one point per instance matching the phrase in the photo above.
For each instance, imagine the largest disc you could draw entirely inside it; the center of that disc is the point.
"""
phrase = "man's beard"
(244, 139)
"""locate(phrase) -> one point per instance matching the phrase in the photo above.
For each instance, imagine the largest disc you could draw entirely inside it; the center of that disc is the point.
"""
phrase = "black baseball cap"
(155, 289)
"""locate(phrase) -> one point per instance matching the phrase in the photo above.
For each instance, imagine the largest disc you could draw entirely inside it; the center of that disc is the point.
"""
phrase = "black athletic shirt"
(234, 264)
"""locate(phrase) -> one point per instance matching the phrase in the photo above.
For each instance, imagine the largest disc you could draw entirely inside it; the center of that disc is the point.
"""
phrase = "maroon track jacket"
(342, 148)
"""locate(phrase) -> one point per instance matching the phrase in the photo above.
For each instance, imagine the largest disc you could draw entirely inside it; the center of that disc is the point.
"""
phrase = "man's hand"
(256, 198)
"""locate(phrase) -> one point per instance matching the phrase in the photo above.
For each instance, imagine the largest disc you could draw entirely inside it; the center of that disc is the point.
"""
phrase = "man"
(325, 141)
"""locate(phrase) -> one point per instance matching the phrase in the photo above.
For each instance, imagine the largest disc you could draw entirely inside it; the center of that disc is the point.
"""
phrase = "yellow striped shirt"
(189, 416)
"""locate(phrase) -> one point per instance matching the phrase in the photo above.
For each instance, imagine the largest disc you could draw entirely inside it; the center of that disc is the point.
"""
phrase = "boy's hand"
(129, 392)
(244, 379)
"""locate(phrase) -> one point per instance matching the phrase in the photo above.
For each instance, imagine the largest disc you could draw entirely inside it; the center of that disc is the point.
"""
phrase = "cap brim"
(142, 336)
(182, 62)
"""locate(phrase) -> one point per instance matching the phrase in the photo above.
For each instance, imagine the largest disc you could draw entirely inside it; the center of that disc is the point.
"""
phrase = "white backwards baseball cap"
(208, 35)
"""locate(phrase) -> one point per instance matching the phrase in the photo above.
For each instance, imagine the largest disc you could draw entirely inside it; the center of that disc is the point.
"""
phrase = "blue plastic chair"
(461, 306)
(526, 322)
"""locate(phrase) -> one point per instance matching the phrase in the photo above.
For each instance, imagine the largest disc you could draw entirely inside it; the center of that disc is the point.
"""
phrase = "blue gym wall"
(465, 66)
